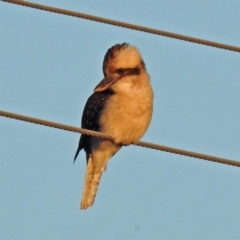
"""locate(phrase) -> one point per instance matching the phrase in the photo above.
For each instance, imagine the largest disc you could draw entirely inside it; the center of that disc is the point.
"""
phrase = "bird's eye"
(120, 71)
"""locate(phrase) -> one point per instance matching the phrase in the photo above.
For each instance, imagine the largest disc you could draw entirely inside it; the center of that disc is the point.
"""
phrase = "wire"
(125, 25)
(134, 27)
(108, 137)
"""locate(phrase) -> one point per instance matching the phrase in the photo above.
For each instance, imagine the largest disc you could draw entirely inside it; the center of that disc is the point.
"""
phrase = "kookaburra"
(121, 106)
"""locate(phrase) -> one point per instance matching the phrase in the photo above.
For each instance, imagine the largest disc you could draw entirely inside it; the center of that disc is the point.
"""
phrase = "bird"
(121, 106)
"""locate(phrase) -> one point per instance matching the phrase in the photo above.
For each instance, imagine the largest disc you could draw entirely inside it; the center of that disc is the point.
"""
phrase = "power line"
(108, 137)
(125, 25)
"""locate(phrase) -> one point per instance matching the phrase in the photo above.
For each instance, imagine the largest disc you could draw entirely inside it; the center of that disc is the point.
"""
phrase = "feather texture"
(121, 106)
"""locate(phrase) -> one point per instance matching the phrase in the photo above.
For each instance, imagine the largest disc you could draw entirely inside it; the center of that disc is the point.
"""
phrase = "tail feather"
(90, 186)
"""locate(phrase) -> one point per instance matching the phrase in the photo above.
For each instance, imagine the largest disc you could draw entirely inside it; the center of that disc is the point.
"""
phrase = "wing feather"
(90, 118)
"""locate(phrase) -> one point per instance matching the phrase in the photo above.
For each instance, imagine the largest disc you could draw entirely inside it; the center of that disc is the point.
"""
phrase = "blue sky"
(50, 64)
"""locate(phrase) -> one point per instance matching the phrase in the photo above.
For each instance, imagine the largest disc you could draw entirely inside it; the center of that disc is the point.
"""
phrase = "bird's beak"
(105, 84)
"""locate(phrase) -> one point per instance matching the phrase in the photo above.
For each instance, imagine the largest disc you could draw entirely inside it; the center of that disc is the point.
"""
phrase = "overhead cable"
(125, 25)
(108, 137)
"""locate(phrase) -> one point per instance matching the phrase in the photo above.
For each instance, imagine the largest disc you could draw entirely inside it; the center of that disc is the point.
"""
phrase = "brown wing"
(90, 118)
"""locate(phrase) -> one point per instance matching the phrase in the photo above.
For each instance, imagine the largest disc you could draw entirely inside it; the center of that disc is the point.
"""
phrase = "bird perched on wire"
(121, 106)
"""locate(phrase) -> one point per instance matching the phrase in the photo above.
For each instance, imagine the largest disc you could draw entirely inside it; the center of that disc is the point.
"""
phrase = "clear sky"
(50, 64)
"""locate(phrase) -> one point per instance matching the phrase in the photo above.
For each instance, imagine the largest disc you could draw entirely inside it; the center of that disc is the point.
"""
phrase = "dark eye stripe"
(128, 71)
(133, 71)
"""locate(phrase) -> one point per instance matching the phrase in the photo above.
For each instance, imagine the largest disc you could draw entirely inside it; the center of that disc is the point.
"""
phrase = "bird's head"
(120, 61)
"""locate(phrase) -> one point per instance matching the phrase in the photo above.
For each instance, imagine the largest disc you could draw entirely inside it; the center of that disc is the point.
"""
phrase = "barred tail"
(90, 186)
